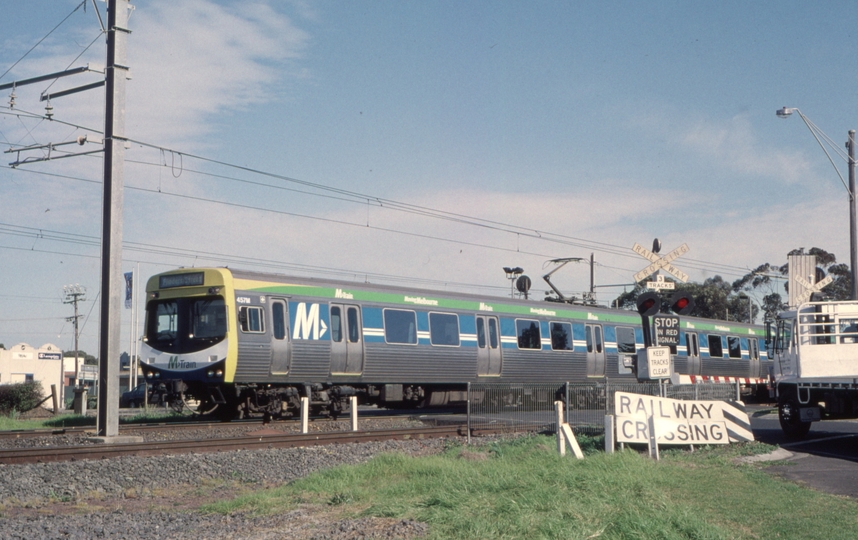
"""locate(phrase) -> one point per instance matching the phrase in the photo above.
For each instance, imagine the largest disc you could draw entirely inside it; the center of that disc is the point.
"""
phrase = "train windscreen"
(185, 325)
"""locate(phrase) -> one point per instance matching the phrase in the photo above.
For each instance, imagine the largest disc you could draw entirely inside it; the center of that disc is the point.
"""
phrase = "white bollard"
(561, 442)
(305, 415)
(353, 401)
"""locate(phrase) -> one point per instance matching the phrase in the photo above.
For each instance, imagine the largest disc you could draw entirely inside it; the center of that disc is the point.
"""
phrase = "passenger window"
(400, 326)
(734, 346)
(528, 334)
(250, 319)
(716, 350)
(561, 336)
(444, 329)
(481, 333)
(626, 340)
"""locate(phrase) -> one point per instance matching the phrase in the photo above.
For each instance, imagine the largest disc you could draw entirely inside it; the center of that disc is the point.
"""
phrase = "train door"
(595, 350)
(754, 357)
(692, 350)
(488, 347)
(346, 339)
(280, 350)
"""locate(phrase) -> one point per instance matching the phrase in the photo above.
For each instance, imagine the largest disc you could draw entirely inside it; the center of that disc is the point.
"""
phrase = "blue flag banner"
(129, 278)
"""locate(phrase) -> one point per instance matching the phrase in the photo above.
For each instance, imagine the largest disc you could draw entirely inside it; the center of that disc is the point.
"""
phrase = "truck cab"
(815, 368)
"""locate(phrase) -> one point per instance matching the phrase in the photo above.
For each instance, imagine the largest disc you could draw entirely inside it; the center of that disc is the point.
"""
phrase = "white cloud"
(734, 145)
(195, 59)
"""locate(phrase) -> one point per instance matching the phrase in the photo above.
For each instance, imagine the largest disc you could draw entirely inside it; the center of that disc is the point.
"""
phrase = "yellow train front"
(244, 343)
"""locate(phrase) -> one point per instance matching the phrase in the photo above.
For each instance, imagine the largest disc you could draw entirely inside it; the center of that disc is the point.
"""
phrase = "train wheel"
(789, 417)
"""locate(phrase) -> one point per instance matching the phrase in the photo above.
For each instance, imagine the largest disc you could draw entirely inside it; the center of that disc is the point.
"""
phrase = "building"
(23, 363)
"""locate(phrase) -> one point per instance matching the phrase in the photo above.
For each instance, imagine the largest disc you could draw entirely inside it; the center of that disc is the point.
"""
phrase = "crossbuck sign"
(810, 288)
(661, 262)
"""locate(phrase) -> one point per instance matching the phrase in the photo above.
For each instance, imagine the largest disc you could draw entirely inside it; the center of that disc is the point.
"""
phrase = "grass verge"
(524, 489)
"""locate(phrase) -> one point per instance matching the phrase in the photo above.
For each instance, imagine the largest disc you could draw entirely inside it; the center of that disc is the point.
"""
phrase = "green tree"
(87, 358)
(765, 276)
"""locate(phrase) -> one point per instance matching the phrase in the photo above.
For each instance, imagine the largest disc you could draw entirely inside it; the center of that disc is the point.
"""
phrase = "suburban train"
(245, 343)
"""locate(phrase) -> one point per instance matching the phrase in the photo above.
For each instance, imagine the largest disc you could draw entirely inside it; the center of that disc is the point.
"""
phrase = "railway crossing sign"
(659, 283)
(810, 288)
(661, 262)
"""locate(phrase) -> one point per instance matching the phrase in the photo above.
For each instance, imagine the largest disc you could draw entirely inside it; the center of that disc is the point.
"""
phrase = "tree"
(712, 299)
(87, 358)
(764, 276)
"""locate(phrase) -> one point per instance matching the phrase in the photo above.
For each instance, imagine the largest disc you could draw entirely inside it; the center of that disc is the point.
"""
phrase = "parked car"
(135, 397)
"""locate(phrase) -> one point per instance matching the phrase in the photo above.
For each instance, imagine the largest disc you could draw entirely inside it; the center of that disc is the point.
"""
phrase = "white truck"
(815, 368)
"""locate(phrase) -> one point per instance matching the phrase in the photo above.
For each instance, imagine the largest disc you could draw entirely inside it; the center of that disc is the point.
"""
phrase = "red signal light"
(649, 303)
(682, 303)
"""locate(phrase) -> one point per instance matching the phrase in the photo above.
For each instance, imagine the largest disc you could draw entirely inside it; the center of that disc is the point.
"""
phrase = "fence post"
(568, 400)
(305, 414)
(561, 443)
(469, 412)
(609, 434)
(354, 411)
(56, 401)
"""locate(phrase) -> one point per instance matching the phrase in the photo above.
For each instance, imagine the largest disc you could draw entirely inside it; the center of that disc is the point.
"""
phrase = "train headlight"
(148, 374)
(219, 373)
(210, 373)
(158, 375)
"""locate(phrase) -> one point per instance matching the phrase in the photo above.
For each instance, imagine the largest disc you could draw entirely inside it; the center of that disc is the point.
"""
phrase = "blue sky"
(546, 129)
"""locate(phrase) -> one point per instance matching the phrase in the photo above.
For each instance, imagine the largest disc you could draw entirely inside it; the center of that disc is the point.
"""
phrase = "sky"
(428, 144)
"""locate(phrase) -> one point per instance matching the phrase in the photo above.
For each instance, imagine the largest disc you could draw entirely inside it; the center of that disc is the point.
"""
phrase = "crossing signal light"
(649, 303)
(681, 303)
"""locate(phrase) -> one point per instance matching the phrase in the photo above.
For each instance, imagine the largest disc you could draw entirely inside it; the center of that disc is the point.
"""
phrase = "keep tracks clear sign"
(680, 421)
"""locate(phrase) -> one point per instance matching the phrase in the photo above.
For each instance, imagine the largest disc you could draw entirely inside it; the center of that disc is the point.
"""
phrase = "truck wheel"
(790, 418)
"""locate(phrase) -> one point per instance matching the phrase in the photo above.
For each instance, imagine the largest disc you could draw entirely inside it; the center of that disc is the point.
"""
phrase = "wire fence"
(519, 407)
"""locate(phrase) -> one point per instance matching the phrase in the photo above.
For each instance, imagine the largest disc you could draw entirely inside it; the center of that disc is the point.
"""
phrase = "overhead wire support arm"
(51, 76)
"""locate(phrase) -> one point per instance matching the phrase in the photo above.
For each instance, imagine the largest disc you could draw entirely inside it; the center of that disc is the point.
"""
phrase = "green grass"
(10, 423)
(524, 489)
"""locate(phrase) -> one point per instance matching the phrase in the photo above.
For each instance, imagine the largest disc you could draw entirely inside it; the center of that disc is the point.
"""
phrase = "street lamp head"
(785, 112)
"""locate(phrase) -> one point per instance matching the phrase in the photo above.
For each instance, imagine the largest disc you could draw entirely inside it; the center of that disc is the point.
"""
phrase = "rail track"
(262, 439)
(176, 425)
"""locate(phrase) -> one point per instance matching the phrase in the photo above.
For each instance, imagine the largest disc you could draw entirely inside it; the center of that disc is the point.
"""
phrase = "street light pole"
(850, 188)
(853, 224)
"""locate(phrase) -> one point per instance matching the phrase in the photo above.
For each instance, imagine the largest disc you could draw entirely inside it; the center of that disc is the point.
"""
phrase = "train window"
(561, 336)
(754, 349)
(278, 319)
(588, 333)
(716, 350)
(626, 340)
(354, 324)
(400, 326)
(597, 330)
(493, 333)
(336, 324)
(481, 333)
(528, 334)
(444, 329)
(692, 347)
(208, 318)
(250, 319)
(734, 347)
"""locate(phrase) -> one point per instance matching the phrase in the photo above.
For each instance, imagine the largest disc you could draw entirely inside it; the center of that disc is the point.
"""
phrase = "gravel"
(159, 497)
